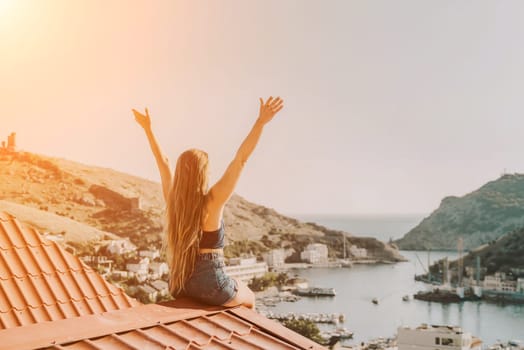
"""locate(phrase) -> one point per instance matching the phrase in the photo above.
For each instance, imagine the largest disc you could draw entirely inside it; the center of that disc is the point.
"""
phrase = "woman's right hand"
(142, 119)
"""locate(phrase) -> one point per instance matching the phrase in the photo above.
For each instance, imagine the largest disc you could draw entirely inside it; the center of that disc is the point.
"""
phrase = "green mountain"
(479, 217)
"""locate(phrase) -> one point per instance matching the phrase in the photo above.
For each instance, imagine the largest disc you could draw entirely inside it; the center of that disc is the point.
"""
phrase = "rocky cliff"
(479, 217)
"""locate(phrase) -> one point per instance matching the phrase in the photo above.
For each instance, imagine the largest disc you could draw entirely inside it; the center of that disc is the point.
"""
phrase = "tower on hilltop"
(11, 144)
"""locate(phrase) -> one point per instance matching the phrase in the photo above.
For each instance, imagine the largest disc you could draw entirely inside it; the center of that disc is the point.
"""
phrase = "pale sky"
(389, 105)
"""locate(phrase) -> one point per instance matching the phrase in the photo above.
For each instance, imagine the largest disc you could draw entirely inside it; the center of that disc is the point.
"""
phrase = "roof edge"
(276, 329)
(44, 334)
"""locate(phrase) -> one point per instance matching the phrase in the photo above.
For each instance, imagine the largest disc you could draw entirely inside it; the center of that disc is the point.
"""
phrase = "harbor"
(389, 284)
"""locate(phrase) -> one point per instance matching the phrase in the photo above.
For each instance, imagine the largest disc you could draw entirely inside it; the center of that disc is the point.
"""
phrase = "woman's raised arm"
(161, 160)
(223, 189)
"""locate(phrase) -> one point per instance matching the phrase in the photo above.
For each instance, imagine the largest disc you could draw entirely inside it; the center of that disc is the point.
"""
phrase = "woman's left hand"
(269, 109)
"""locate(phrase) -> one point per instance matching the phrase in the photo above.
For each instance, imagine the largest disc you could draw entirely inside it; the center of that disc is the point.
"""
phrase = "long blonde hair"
(184, 216)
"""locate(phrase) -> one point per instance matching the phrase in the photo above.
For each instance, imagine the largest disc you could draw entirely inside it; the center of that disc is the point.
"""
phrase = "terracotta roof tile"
(160, 327)
(40, 281)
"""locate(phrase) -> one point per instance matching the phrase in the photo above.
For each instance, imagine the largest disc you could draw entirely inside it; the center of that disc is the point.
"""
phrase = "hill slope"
(478, 217)
(129, 206)
(502, 255)
(45, 222)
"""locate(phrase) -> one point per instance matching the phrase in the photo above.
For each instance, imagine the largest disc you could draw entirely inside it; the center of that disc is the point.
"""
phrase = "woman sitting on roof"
(194, 238)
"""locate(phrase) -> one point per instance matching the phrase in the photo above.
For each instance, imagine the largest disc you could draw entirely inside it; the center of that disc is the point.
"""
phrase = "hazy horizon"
(389, 106)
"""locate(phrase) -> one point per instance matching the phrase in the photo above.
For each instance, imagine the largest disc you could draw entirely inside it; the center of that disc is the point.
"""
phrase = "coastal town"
(143, 273)
(463, 283)
(138, 267)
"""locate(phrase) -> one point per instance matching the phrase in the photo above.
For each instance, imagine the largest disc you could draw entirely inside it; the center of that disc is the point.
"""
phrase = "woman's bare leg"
(244, 296)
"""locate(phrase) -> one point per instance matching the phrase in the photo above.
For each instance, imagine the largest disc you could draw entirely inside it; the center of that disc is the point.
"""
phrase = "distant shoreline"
(382, 227)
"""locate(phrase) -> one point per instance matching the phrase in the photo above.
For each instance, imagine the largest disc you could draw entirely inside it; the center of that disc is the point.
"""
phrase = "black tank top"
(213, 239)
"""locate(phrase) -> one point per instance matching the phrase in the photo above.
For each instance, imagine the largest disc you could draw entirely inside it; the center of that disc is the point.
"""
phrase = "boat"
(510, 345)
(446, 295)
(436, 336)
(374, 301)
(345, 263)
(315, 292)
(405, 298)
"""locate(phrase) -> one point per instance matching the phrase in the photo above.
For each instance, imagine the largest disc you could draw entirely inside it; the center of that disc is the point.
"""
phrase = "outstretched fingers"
(271, 107)
(143, 120)
(278, 108)
(277, 104)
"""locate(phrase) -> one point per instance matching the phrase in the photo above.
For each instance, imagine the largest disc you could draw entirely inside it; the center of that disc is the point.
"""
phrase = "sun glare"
(4, 5)
(9, 13)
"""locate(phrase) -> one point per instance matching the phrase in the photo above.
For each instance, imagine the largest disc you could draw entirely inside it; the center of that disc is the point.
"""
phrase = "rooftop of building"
(51, 299)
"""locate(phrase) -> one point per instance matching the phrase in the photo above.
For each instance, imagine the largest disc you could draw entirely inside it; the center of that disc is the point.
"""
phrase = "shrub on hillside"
(305, 327)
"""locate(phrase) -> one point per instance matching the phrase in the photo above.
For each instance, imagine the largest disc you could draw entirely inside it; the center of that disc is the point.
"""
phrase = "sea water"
(357, 286)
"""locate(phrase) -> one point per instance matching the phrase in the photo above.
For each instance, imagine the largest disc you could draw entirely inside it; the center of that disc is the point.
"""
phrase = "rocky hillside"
(65, 228)
(113, 203)
(504, 254)
(478, 217)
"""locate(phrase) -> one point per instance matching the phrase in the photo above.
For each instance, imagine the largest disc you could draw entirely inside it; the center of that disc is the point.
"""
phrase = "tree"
(305, 327)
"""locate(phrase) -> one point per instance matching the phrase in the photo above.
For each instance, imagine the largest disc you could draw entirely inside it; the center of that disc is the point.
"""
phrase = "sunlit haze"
(389, 105)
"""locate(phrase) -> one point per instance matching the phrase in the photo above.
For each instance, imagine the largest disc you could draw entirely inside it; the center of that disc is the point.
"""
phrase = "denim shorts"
(209, 282)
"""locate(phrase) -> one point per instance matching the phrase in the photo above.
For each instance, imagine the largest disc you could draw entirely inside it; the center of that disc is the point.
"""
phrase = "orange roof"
(182, 324)
(40, 281)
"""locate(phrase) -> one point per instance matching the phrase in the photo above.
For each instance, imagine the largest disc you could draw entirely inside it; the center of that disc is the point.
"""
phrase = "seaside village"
(63, 289)
(143, 273)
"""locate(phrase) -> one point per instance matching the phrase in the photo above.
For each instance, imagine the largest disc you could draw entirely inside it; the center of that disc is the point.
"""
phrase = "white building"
(275, 258)
(138, 267)
(151, 254)
(149, 292)
(520, 285)
(315, 253)
(498, 282)
(162, 287)
(436, 338)
(242, 261)
(98, 262)
(119, 274)
(245, 269)
(120, 246)
(358, 253)
(158, 268)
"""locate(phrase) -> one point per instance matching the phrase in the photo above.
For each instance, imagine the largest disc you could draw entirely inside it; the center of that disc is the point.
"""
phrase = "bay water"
(357, 286)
